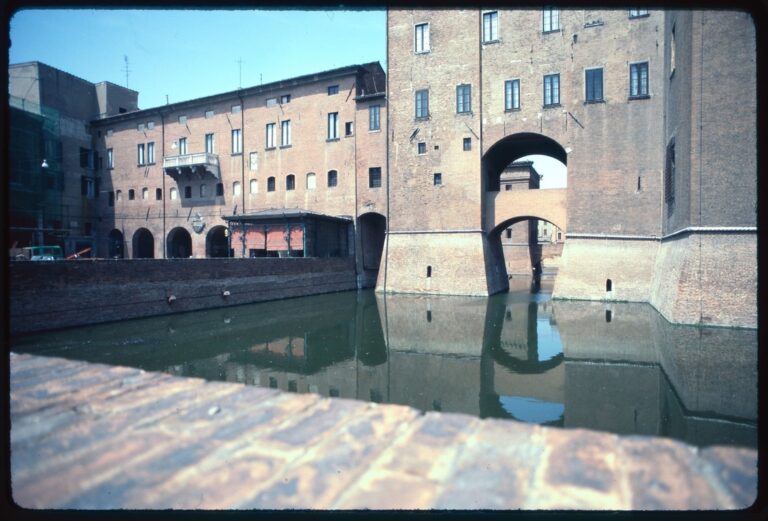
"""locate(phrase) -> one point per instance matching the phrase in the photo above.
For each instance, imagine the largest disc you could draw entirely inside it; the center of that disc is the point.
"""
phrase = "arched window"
(290, 182)
(203, 190)
(333, 178)
(131, 194)
(254, 186)
(174, 194)
(270, 184)
(236, 188)
(311, 181)
(145, 193)
(119, 195)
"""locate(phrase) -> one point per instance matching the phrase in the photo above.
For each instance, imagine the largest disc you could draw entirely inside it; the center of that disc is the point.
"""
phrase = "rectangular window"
(437, 179)
(111, 199)
(270, 139)
(182, 146)
(219, 189)
(333, 178)
(490, 27)
(374, 177)
(551, 90)
(374, 122)
(638, 13)
(285, 133)
(187, 192)
(638, 79)
(594, 84)
(88, 187)
(209, 144)
(110, 158)
(422, 104)
(84, 153)
(512, 95)
(333, 125)
(140, 151)
(333, 90)
(422, 38)
(158, 194)
(208, 114)
(349, 129)
(253, 164)
(422, 148)
(150, 125)
(271, 102)
(285, 98)
(151, 153)
(550, 20)
(467, 143)
(236, 109)
(140, 127)
(463, 96)
(237, 141)
(182, 120)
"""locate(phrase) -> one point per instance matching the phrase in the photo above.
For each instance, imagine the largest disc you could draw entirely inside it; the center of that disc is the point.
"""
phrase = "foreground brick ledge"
(92, 436)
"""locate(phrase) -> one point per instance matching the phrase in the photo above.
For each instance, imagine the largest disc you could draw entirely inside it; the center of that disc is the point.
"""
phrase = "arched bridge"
(506, 206)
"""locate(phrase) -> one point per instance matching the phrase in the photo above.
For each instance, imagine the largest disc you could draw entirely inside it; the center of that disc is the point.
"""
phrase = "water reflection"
(517, 355)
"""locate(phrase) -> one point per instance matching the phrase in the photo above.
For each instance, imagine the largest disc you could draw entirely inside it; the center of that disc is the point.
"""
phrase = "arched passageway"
(143, 244)
(216, 244)
(179, 244)
(372, 229)
(513, 147)
(115, 246)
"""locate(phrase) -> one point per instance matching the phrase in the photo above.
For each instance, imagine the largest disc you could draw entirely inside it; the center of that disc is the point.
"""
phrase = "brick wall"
(70, 293)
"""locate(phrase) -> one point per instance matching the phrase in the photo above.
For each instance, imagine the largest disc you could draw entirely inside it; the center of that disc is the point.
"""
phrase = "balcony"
(201, 164)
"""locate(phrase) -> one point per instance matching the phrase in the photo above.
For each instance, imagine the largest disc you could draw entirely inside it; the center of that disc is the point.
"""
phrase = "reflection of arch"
(115, 247)
(143, 244)
(372, 228)
(216, 244)
(179, 244)
(513, 147)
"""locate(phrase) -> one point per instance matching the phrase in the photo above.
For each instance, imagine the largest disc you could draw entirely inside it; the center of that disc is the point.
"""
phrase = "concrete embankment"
(90, 436)
(50, 295)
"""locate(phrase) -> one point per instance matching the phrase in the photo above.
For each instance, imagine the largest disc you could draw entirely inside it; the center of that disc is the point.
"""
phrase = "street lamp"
(41, 204)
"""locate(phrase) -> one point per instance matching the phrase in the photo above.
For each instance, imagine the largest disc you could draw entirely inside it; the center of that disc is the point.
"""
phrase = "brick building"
(471, 91)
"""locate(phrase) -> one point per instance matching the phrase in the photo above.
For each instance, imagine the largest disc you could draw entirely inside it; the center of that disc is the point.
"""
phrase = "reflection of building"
(54, 201)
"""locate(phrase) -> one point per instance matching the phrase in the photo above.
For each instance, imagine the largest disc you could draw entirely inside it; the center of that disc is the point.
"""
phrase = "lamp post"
(41, 204)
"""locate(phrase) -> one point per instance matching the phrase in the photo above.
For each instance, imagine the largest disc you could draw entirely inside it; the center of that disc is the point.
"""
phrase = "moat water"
(617, 367)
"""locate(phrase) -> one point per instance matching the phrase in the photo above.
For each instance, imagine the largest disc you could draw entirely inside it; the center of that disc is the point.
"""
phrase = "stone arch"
(116, 245)
(372, 228)
(511, 148)
(143, 244)
(216, 243)
(179, 243)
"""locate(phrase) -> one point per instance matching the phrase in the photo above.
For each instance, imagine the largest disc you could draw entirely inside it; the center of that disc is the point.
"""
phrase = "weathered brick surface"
(181, 443)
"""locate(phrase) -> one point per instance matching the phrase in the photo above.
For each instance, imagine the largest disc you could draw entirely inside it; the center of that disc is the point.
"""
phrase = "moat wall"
(51, 295)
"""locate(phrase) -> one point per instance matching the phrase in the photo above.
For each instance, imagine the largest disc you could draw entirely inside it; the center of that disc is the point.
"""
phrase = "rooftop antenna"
(126, 69)
(240, 70)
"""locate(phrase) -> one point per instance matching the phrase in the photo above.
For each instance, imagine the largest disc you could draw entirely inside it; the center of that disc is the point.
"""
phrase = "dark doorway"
(216, 242)
(179, 244)
(143, 244)
(372, 228)
(115, 246)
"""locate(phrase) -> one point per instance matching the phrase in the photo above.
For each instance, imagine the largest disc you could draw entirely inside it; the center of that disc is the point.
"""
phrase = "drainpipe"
(242, 150)
(162, 127)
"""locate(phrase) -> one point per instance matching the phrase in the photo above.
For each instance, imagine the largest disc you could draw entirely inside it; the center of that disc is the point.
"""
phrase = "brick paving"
(90, 436)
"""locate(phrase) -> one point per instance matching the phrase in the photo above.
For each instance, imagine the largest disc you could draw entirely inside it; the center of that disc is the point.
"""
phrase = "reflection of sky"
(548, 338)
(531, 410)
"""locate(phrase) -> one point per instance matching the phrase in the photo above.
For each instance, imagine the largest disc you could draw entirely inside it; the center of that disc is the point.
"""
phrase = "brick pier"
(89, 436)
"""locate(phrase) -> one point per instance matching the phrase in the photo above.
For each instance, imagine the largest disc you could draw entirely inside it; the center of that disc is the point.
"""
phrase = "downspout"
(162, 126)
(355, 224)
(386, 230)
(242, 151)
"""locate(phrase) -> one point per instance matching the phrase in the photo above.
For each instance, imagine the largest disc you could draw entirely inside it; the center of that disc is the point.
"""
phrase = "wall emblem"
(198, 223)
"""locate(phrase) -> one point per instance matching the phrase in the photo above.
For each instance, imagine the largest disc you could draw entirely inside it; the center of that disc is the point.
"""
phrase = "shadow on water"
(613, 367)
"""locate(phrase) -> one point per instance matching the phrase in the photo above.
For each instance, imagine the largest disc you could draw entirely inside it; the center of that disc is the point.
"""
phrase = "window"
(594, 83)
(512, 95)
(84, 153)
(270, 142)
(638, 13)
(290, 182)
(236, 188)
(285, 133)
(311, 181)
(219, 189)
(140, 127)
(422, 148)
(270, 184)
(463, 95)
(437, 179)
(87, 187)
(111, 199)
(374, 122)
(254, 186)
(110, 158)
(490, 27)
(131, 194)
(187, 192)
(150, 125)
(551, 90)
(422, 38)
(182, 146)
(140, 150)
(669, 175)
(208, 114)
(237, 141)
(422, 104)
(203, 190)
(182, 120)
(236, 109)
(333, 90)
(119, 195)
(271, 102)
(638, 79)
(158, 194)
(151, 153)
(550, 20)
(110, 132)
(509, 233)
(374, 177)
(174, 194)
(209, 144)
(467, 143)
(285, 98)
(333, 178)
(145, 194)
(333, 125)
(253, 164)
(348, 128)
